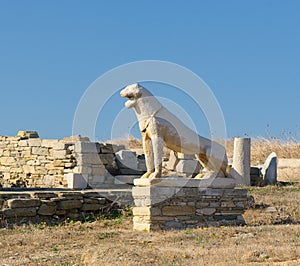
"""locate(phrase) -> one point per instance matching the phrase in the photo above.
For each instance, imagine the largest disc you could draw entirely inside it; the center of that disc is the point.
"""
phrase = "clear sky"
(248, 52)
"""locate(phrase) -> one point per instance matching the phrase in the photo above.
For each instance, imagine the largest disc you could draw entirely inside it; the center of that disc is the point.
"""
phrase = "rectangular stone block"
(146, 211)
(40, 151)
(88, 159)
(47, 210)
(188, 166)
(77, 181)
(98, 171)
(7, 161)
(87, 147)
(23, 143)
(69, 204)
(59, 145)
(34, 142)
(59, 154)
(178, 210)
(23, 203)
(28, 169)
(125, 179)
(126, 159)
(19, 212)
(96, 180)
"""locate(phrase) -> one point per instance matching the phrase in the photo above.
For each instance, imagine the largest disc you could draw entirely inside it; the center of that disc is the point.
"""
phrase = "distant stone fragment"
(27, 134)
(269, 170)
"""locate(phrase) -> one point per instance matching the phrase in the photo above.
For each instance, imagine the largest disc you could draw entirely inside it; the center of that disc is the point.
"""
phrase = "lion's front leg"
(158, 152)
(147, 147)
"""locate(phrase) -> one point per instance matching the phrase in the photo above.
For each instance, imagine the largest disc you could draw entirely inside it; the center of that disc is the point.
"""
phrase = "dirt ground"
(271, 237)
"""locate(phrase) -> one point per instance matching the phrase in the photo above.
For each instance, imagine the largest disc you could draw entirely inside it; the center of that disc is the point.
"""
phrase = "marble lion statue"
(159, 128)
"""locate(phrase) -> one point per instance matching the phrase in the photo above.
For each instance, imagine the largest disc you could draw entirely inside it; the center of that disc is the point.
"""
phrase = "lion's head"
(132, 93)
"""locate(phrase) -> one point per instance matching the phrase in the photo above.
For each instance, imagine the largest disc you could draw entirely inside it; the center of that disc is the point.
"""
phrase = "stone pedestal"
(180, 203)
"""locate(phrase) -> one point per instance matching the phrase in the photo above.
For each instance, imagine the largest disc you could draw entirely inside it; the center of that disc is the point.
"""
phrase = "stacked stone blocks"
(52, 205)
(179, 203)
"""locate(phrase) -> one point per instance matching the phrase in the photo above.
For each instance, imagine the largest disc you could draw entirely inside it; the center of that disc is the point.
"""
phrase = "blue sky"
(248, 52)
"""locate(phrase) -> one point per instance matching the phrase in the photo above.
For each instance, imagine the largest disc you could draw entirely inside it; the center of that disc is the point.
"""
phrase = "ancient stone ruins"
(194, 186)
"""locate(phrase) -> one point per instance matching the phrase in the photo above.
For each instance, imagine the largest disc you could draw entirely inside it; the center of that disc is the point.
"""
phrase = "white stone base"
(174, 181)
(76, 181)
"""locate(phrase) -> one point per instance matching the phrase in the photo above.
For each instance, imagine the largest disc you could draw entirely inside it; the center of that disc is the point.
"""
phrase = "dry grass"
(272, 237)
(261, 148)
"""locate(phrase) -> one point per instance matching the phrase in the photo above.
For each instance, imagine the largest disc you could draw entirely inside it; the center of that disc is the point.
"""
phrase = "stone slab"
(77, 181)
(87, 147)
(216, 182)
(288, 163)
(23, 203)
(126, 159)
(188, 166)
(125, 179)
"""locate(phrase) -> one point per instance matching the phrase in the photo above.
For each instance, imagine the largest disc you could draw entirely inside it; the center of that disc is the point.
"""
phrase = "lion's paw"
(155, 175)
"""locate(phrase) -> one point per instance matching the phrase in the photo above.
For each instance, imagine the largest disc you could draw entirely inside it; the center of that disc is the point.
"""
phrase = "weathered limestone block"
(82, 169)
(34, 142)
(47, 210)
(28, 169)
(27, 134)
(126, 159)
(178, 211)
(19, 212)
(206, 211)
(87, 147)
(146, 211)
(98, 170)
(59, 154)
(76, 138)
(48, 143)
(49, 180)
(188, 166)
(40, 151)
(69, 204)
(23, 143)
(88, 159)
(23, 203)
(78, 181)
(7, 161)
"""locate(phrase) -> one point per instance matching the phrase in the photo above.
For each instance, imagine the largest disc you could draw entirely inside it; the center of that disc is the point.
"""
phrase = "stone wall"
(33, 162)
(74, 162)
(51, 206)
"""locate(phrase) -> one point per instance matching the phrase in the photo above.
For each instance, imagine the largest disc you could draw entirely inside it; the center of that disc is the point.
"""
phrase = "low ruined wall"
(38, 206)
